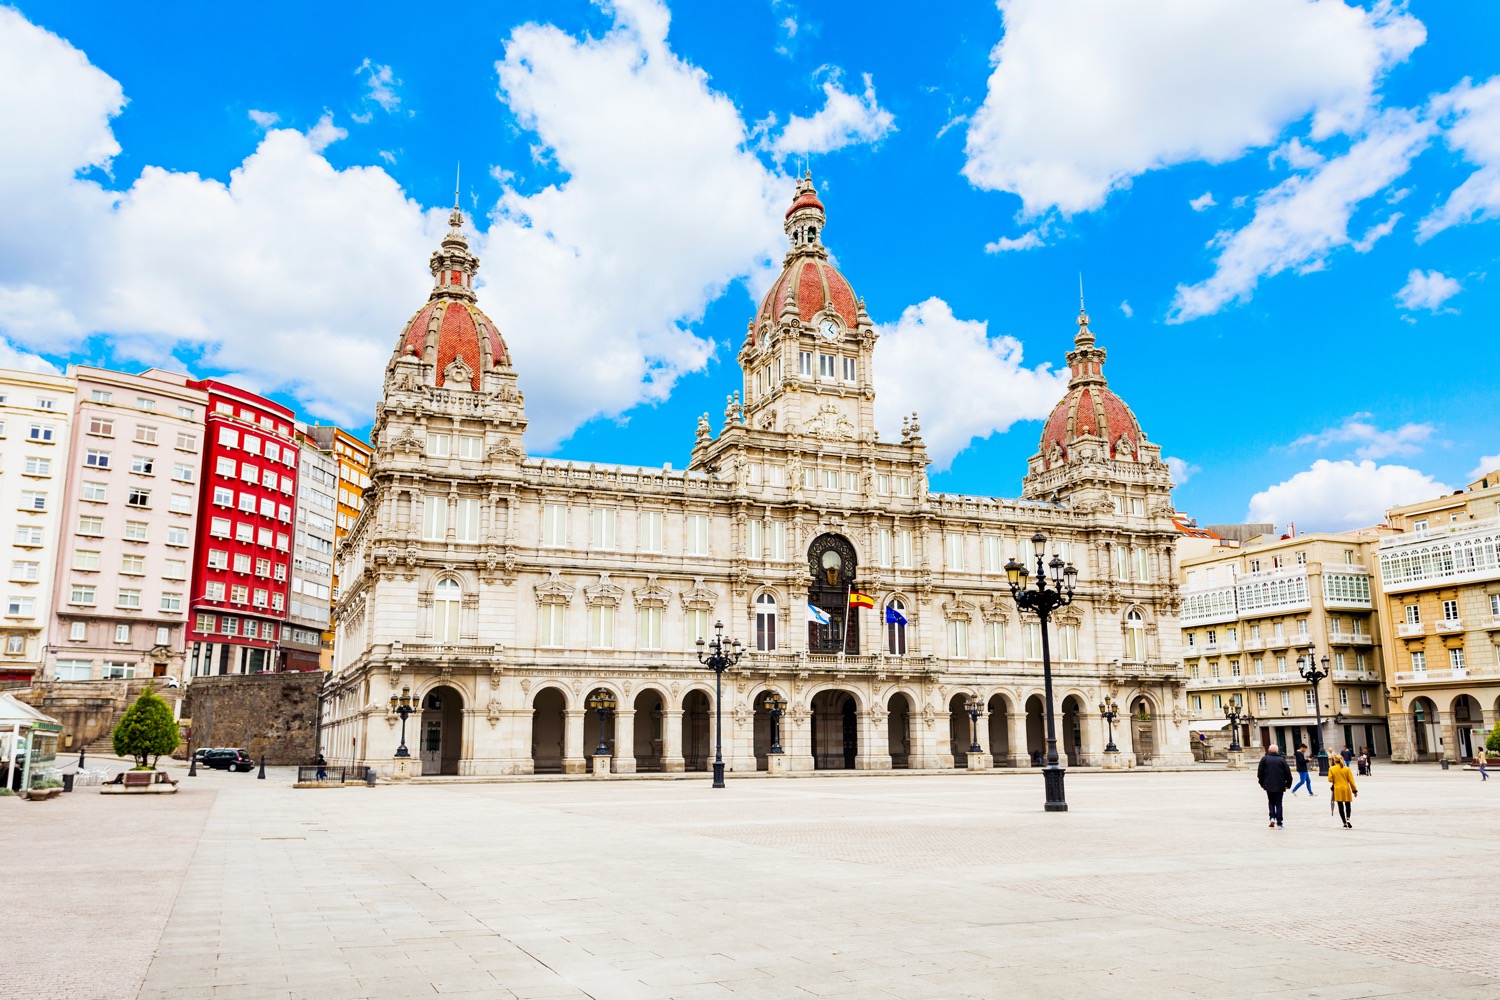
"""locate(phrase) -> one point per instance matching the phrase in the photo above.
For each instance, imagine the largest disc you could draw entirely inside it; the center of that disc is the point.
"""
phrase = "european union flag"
(894, 617)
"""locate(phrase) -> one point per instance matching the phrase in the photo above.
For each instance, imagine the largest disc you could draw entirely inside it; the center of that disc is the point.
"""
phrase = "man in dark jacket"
(1302, 778)
(1275, 776)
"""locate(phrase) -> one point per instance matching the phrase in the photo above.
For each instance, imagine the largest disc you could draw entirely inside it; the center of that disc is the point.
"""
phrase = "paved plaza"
(1160, 885)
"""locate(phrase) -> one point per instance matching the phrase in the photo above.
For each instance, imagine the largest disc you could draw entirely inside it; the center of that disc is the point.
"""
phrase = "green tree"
(147, 730)
(1492, 743)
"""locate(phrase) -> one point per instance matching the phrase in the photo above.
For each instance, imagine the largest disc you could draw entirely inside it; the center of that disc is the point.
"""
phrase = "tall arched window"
(1135, 637)
(447, 600)
(895, 627)
(765, 623)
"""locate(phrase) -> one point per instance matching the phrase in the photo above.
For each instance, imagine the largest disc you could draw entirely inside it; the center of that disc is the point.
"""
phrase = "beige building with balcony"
(1439, 584)
(502, 591)
(1250, 610)
(36, 419)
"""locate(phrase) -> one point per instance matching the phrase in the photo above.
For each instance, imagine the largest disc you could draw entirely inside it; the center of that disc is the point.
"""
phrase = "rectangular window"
(650, 540)
(958, 639)
(96, 492)
(239, 593)
(241, 562)
(1278, 630)
(470, 447)
(995, 633)
(39, 467)
(25, 570)
(82, 593)
(1495, 605)
(252, 444)
(1121, 561)
(213, 591)
(434, 517)
(226, 467)
(128, 597)
(695, 624)
(183, 473)
(219, 527)
(138, 497)
(93, 527)
(29, 536)
(696, 528)
(903, 548)
(1413, 614)
(229, 437)
(778, 540)
(1031, 641)
(804, 363)
(992, 561)
(554, 525)
(78, 631)
(466, 526)
(186, 441)
(135, 531)
(144, 434)
(1419, 660)
(850, 374)
(43, 433)
(755, 539)
(551, 626)
(883, 547)
(1260, 700)
(1450, 611)
(601, 627)
(20, 607)
(249, 473)
(267, 507)
(825, 365)
(955, 552)
(648, 628)
(1067, 643)
(133, 565)
(33, 500)
(261, 597)
(122, 633)
(438, 445)
(1138, 557)
(602, 528)
(223, 496)
(1456, 659)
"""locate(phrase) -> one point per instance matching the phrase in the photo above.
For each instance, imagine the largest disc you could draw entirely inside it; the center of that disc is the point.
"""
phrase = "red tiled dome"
(805, 199)
(461, 329)
(808, 284)
(1094, 411)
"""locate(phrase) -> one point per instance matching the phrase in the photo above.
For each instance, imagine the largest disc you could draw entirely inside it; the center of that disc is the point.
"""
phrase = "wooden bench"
(149, 782)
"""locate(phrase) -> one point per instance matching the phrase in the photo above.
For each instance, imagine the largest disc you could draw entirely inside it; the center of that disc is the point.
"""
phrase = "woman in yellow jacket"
(1344, 790)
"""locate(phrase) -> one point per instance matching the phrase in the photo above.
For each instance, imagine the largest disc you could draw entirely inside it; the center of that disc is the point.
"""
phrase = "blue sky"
(1284, 213)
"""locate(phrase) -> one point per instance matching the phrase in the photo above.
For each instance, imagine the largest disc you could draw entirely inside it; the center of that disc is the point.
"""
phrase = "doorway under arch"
(697, 735)
(648, 730)
(999, 722)
(898, 730)
(1143, 728)
(442, 730)
(1072, 731)
(1424, 721)
(548, 731)
(1466, 717)
(960, 729)
(835, 720)
(1036, 731)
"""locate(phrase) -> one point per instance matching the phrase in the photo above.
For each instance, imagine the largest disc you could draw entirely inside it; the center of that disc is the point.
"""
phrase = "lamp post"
(1307, 666)
(1042, 602)
(403, 705)
(973, 707)
(775, 705)
(1232, 715)
(718, 660)
(1109, 711)
(602, 702)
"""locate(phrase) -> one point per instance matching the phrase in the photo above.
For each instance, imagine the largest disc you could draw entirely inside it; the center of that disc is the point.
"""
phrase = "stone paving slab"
(1154, 885)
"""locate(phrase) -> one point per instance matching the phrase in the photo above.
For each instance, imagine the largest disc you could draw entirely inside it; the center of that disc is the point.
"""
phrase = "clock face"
(829, 329)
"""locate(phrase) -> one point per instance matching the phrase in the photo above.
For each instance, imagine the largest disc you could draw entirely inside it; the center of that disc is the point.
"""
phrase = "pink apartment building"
(127, 526)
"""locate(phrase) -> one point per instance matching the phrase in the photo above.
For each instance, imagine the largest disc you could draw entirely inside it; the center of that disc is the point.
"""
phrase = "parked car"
(202, 752)
(225, 759)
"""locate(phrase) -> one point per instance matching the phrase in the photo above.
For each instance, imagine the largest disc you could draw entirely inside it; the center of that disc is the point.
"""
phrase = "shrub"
(1493, 742)
(147, 730)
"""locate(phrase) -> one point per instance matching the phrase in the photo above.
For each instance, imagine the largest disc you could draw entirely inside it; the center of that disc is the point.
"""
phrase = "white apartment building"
(36, 414)
(303, 645)
(126, 547)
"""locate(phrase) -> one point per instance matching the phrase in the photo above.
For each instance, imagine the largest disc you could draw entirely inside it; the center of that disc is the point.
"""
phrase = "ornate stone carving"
(829, 425)
(652, 595)
(554, 591)
(458, 375)
(698, 597)
(603, 594)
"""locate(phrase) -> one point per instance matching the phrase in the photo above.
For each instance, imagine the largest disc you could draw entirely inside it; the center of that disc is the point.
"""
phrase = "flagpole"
(844, 640)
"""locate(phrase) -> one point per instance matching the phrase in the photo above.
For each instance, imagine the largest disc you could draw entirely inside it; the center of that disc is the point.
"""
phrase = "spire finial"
(458, 172)
(1080, 291)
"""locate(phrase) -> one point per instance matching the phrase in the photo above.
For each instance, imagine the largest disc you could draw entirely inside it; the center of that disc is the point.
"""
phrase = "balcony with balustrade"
(1451, 553)
(1410, 630)
(1448, 626)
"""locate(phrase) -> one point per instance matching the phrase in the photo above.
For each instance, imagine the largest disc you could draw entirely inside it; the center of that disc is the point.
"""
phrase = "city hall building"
(501, 592)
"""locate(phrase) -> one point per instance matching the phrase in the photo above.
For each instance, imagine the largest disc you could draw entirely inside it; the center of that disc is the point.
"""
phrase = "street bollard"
(262, 773)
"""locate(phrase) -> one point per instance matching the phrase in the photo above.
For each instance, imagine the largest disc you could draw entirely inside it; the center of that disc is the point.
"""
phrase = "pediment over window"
(698, 597)
(994, 611)
(652, 595)
(554, 591)
(959, 609)
(603, 593)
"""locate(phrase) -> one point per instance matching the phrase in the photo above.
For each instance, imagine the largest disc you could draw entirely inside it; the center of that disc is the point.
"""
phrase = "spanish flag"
(858, 600)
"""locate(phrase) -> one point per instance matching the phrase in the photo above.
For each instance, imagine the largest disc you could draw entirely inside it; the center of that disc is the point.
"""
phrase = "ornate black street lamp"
(1109, 711)
(775, 705)
(1042, 602)
(1307, 666)
(403, 705)
(973, 707)
(718, 660)
(1232, 715)
(602, 702)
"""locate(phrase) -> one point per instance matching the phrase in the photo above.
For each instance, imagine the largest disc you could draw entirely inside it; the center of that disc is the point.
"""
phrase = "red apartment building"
(241, 563)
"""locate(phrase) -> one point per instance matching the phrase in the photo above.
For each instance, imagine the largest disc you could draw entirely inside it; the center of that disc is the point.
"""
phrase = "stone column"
(1018, 755)
(874, 750)
(624, 741)
(796, 738)
(671, 740)
(930, 739)
(574, 759)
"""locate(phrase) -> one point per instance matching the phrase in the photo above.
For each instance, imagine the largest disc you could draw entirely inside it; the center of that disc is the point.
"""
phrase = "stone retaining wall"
(271, 714)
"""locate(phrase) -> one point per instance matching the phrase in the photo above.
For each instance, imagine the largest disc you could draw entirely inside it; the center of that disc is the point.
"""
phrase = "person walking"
(322, 763)
(1482, 758)
(1302, 778)
(1275, 777)
(1344, 789)
(1347, 754)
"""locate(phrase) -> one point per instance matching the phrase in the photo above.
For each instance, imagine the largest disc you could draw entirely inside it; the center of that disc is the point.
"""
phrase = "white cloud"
(963, 383)
(382, 82)
(1088, 94)
(1300, 221)
(662, 208)
(1204, 200)
(1487, 464)
(1373, 442)
(1337, 496)
(1028, 240)
(1472, 118)
(1375, 234)
(14, 358)
(264, 119)
(1296, 155)
(1182, 470)
(1125, 308)
(844, 120)
(1427, 290)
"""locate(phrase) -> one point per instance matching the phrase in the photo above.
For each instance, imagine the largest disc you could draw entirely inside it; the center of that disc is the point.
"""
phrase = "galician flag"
(817, 614)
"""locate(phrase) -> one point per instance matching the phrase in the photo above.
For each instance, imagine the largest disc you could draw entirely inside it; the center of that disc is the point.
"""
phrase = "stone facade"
(502, 591)
(271, 714)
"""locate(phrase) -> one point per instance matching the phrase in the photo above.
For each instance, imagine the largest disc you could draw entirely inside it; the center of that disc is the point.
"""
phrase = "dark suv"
(230, 760)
